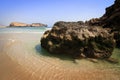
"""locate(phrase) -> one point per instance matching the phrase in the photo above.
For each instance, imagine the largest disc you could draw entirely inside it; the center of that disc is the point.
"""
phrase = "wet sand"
(22, 58)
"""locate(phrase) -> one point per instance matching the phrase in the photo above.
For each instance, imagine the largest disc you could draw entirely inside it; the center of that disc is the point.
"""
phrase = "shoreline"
(20, 60)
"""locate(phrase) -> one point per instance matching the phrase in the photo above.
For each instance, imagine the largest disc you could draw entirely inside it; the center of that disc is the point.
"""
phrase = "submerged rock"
(76, 39)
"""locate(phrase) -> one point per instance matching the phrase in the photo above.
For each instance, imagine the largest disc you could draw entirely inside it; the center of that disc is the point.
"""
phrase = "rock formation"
(76, 39)
(38, 24)
(95, 38)
(111, 19)
(18, 24)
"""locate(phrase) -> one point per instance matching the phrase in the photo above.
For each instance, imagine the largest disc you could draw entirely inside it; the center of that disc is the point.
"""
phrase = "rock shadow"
(43, 52)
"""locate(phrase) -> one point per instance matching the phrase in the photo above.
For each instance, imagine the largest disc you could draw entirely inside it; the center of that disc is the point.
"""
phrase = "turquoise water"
(32, 60)
(23, 29)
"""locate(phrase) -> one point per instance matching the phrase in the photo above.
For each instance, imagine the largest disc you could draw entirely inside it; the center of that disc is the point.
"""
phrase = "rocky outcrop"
(38, 24)
(2, 26)
(78, 39)
(18, 24)
(111, 19)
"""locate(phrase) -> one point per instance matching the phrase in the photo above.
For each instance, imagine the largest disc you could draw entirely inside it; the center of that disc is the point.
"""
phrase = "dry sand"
(21, 58)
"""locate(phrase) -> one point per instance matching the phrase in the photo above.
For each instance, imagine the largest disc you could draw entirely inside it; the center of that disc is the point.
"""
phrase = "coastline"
(22, 58)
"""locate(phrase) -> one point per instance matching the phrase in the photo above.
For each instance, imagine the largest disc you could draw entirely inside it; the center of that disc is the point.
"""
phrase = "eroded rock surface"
(76, 39)
(111, 19)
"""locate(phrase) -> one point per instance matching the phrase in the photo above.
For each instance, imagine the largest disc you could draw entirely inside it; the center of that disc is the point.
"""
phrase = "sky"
(51, 11)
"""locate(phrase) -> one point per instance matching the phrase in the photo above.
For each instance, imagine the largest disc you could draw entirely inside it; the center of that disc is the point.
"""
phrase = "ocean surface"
(24, 29)
(23, 58)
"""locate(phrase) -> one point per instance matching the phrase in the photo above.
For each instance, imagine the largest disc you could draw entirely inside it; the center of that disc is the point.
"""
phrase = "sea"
(24, 29)
(23, 58)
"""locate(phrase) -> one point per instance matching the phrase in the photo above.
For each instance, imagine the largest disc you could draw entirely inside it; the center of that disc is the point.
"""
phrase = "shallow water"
(23, 29)
(22, 58)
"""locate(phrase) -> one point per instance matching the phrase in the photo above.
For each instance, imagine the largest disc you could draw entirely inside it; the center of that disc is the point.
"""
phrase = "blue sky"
(50, 11)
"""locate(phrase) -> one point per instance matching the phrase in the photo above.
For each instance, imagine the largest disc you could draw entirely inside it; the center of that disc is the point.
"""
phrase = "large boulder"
(76, 39)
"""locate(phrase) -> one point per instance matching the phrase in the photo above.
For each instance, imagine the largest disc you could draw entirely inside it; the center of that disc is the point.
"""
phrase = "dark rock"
(94, 21)
(117, 38)
(111, 19)
(75, 39)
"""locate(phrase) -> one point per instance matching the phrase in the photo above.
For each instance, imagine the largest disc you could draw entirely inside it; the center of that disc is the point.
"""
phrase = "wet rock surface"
(77, 39)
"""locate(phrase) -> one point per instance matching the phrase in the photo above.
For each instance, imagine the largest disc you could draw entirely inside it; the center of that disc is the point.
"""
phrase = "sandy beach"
(22, 58)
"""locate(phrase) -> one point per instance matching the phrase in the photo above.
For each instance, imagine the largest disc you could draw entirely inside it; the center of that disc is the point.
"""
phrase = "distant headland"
(20, 24)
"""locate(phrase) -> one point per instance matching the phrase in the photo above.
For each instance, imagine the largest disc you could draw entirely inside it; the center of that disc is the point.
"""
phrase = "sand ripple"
(20, 62)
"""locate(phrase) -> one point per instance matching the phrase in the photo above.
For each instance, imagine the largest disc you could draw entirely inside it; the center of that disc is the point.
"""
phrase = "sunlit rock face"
(19, 24)
(77, 39)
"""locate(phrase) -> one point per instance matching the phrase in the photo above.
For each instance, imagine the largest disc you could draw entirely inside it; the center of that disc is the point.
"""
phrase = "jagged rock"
(74, 39)
(94, 21)
(111, 19)
(18, 24)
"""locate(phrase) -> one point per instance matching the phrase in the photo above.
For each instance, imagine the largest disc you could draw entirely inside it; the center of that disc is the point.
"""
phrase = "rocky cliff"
(19, 24)
(111, 19)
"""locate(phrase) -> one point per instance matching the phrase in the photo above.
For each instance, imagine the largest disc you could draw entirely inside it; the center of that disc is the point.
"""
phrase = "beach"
(22, 58)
